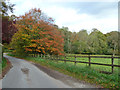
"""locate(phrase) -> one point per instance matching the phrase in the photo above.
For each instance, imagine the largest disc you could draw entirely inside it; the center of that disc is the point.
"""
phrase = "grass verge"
(80, 72)
(3, 64)
(3, 67)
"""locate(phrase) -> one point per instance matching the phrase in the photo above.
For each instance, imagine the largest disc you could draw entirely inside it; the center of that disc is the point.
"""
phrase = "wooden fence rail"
(64, 58)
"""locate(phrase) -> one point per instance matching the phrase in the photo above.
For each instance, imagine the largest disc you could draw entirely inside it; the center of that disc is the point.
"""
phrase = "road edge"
(6, 69)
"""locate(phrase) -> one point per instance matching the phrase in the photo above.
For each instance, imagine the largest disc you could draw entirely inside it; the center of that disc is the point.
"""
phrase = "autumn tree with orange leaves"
(37, 34)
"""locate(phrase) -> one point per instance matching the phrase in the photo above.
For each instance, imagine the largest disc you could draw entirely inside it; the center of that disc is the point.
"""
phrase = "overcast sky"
(75, 14)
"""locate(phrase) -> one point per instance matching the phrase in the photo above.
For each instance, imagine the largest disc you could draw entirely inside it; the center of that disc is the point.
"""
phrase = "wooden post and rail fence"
(64, 58)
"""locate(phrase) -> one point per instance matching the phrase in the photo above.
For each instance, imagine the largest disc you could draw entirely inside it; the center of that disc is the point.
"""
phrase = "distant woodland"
(35, 32)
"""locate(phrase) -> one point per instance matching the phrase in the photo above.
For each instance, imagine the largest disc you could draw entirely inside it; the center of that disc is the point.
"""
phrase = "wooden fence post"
(51, 57)
(75, 60)
(65, 59)
(44, 56)
(55, 58)
(47, 56)
(58, 57)
(89, 60)
(112, 63)
(41, 55)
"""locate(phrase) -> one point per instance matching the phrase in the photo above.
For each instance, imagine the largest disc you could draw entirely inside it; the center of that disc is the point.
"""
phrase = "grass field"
(97, 60)
(94, 60)
(87, 55)
(80, 71)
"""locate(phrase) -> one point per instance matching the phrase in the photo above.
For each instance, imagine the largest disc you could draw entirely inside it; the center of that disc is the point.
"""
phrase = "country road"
(23, 74)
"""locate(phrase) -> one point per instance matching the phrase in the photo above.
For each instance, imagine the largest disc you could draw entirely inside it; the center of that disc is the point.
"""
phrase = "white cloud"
(104, 25)
(69, 0)
(76, 21)
(70, 17)
(23, 6)
(64, 16)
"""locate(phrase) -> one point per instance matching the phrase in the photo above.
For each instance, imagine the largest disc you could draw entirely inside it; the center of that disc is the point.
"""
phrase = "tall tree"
(6, 7)
(82, 39)
(112, 41)
(37, 34)
(67, 39)
(97, 42)
(8, 29)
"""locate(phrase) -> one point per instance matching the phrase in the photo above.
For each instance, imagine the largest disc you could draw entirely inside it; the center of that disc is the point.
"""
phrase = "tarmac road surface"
(23, 74)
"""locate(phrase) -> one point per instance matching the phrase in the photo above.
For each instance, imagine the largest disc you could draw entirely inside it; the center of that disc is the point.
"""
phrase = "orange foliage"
(44, 37)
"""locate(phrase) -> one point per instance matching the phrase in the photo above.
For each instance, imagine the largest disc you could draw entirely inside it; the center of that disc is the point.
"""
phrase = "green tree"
(37, 35)
(8, 29)
(75, 47)
(97, 42)
(6, 7)
(67, 39)
(112, 41)
(82, 39)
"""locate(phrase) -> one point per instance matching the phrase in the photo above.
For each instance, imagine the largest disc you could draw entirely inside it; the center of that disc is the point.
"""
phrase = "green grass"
(3, 64)
(7, 50)
(82, 72)
(99, 60)
(96, 60)
(0, 68)
(87, 55)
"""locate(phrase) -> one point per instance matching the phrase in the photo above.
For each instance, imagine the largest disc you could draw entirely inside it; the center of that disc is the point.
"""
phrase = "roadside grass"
(95, 60)
(81, 72)
(0, 68)
(3, 64)
(7, 50)
(98, 60)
